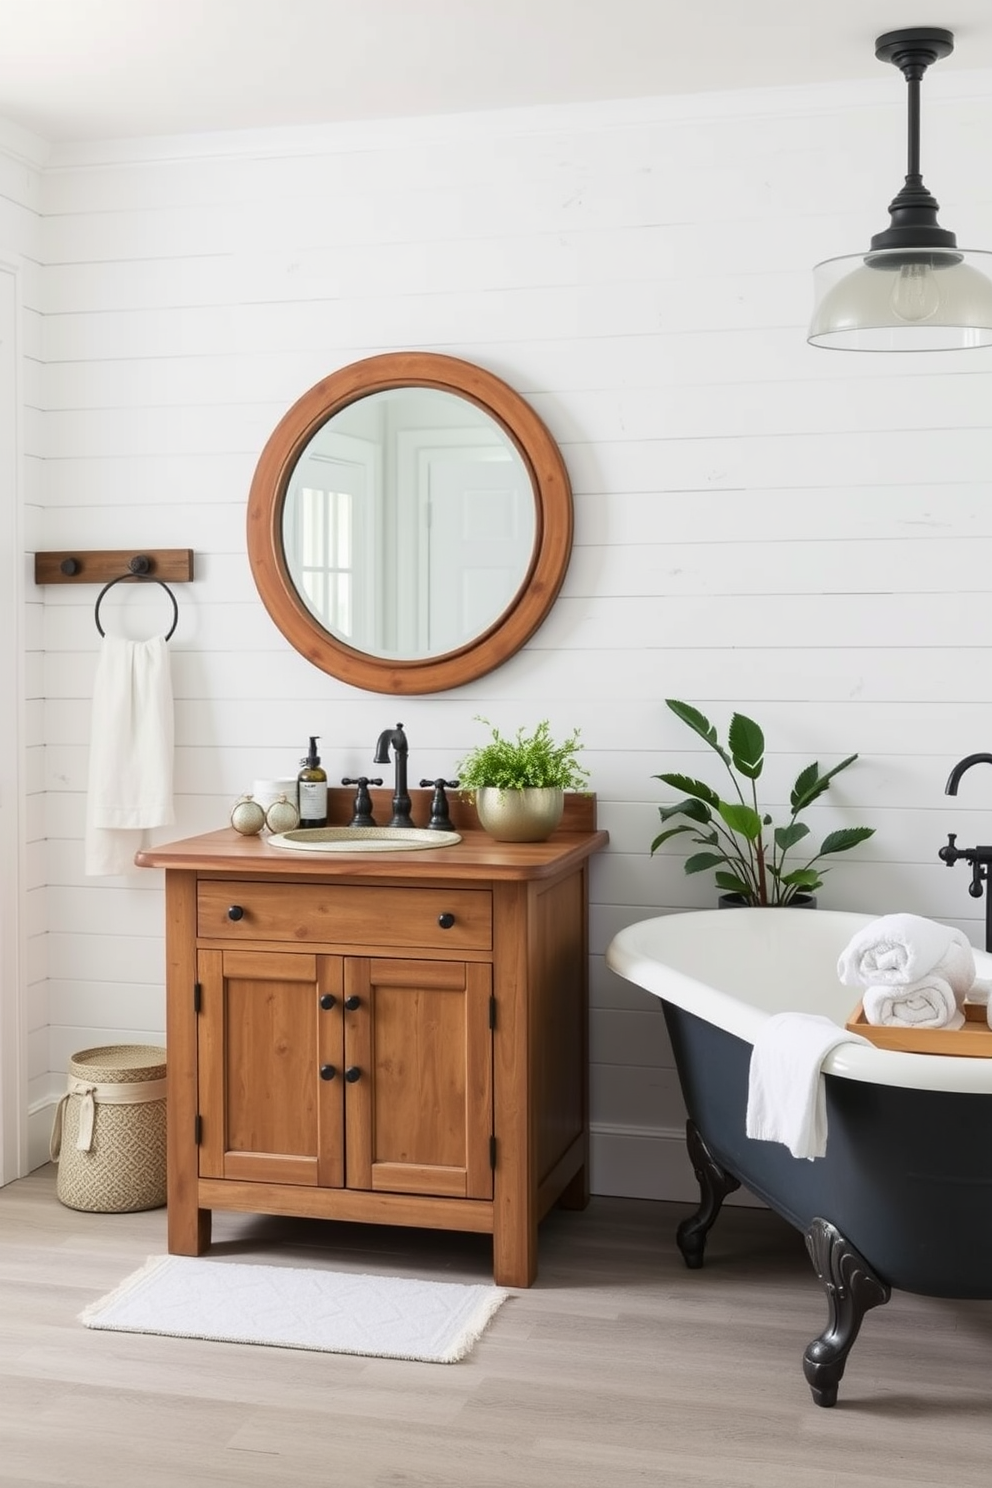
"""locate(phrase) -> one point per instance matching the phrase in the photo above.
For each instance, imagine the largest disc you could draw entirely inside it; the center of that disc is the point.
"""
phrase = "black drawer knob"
(327, 1072)
(327, 1001)
(235, 912)
(446, 920)
(352, 1073)
(351, 1003)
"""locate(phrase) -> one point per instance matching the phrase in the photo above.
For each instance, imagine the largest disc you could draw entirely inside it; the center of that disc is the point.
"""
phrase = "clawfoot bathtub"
(903, 1197)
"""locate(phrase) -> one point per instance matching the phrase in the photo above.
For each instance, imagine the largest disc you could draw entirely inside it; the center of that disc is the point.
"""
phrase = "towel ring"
(143, 579)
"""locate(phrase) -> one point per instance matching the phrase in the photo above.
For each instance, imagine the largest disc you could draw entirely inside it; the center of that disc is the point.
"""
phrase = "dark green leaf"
(664, 836)
(802, 878)
(733, 885)
(699, 724)
(699, 862)
(846, 838)
(696, 811)
(747, 745)
(810, 784)
(786, 837)
(697, 788)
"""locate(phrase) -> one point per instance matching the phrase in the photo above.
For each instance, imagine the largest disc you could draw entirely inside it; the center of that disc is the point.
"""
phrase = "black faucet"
(980, 858)
(401, 800)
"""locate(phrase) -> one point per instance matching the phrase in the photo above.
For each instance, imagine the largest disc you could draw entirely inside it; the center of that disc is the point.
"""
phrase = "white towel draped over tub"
(787, 1097)
(131, 748)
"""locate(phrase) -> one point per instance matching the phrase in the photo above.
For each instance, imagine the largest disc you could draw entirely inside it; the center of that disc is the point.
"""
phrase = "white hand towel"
(131, 748)
(786, 1100)
(896, 949)
(929, 1002)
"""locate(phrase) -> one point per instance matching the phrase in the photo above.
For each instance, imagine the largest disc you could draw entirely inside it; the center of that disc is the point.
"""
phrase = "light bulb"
(916, 294)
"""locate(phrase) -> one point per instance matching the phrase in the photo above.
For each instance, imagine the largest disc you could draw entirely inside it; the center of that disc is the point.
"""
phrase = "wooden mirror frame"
(552, 534)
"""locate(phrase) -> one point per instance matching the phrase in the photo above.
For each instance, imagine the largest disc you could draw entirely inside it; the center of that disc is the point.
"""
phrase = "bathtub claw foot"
(715, 1183)
(852, 1289)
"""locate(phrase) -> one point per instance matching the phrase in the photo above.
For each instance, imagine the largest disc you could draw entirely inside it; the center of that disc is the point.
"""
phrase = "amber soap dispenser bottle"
(313, 789)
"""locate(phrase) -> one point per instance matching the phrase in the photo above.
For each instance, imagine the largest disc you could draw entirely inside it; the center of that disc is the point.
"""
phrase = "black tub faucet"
(979, 858)
(954, 779)
(401, 800)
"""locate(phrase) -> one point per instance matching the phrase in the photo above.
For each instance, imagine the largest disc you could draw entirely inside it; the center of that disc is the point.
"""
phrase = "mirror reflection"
(409, 523)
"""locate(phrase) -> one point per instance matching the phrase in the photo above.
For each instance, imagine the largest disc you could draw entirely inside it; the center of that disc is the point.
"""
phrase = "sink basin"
(361, 839)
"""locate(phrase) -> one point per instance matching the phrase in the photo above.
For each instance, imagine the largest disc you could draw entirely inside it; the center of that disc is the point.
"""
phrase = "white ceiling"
(102, 69)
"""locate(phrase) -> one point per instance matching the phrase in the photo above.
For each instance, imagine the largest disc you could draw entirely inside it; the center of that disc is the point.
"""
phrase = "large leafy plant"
(739, 840)
(526, 760)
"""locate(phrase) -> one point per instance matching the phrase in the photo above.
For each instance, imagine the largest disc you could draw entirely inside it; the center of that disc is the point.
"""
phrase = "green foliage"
(744, 858)
(524, 761)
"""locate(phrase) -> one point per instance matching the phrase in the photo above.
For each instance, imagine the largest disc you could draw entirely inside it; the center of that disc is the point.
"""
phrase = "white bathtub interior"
(736, 967)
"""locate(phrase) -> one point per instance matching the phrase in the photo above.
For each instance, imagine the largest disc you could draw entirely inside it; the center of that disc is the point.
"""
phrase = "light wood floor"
(619, 1367)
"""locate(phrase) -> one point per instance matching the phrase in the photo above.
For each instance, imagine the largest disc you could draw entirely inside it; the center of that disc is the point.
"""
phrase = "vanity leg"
(852, 1289)
(188, 1229)
(715, 1183)
(575, 1194)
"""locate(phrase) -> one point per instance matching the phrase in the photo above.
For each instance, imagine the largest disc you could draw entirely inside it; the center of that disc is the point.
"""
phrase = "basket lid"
(119, 1063)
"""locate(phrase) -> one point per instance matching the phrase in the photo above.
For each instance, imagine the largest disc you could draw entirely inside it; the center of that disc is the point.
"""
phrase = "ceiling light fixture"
(915, 290)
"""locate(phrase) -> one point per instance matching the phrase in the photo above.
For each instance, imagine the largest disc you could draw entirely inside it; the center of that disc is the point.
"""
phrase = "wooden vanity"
(397, 1038)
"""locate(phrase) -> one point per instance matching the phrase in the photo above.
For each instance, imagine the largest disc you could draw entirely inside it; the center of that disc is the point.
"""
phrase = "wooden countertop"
(477, 857)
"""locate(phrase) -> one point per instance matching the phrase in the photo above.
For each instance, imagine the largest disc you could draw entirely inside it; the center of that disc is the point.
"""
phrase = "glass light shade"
(902, 299)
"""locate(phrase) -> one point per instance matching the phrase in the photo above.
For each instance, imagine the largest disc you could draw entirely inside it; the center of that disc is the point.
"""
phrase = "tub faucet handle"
(950, 853)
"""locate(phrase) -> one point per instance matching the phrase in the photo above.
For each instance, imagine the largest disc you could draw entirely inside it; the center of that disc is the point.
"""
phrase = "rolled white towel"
(928, 1002)
(897, 949)
(957, 967)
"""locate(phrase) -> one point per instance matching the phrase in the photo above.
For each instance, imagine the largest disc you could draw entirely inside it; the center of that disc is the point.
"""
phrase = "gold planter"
(528, 815)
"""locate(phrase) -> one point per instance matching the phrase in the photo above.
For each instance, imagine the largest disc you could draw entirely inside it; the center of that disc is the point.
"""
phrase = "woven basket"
(110, 1143)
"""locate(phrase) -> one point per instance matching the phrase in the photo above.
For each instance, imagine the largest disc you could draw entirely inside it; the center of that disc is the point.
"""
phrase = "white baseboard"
(40, 1118)
(646, 1163)
(625, 1161)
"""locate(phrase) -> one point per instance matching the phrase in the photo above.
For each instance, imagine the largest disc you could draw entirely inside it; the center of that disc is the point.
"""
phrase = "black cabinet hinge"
(492, 1012)
(197, 997)
(492, 1152)
(198, 1129)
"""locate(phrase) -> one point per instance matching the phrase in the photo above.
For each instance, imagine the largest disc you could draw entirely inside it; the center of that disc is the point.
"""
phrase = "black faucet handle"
(950, 853)
(440, 818)
(362, 809)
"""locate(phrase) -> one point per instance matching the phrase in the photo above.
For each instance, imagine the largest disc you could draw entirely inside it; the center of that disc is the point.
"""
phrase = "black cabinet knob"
(352, 1073)
(351, 1003)
(446, 920)
(327, 1001)
(327, 1072)
(235, 912)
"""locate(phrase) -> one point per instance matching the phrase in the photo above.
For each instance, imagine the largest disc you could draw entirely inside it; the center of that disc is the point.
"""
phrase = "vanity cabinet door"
(270, 1078)
(419, 1103)
(359, 1072)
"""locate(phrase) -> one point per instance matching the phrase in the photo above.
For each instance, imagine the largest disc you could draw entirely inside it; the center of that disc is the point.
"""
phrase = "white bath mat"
(332, 1312)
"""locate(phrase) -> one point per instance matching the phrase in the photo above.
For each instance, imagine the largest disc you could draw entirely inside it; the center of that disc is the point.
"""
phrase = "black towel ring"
(142, 579)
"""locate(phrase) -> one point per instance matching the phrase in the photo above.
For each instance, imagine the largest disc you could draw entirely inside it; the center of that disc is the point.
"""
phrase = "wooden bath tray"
(974, 1040)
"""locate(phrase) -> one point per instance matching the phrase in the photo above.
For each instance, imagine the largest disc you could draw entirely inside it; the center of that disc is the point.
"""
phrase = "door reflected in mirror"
(409, 523)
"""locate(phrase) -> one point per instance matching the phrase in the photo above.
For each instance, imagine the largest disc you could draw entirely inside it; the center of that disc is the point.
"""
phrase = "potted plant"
(518, 784)
(739, 840)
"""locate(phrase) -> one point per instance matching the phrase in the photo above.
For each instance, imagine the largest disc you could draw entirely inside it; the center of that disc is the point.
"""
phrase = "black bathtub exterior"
(907, 1176)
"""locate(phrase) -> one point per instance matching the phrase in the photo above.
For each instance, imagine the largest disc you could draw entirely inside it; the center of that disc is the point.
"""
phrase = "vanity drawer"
(306, 914)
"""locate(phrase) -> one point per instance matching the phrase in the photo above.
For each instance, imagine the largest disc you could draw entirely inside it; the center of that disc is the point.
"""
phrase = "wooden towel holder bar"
(104, 564)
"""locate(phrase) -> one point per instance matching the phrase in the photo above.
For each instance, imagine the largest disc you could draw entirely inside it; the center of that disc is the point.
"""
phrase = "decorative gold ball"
(282, 816)
(247, 816)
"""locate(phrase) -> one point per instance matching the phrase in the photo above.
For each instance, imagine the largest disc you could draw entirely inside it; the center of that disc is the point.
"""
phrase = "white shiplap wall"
(23, 990)
(802, 534)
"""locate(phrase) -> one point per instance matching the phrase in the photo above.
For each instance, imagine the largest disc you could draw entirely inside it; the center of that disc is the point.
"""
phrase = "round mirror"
(409, 523)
